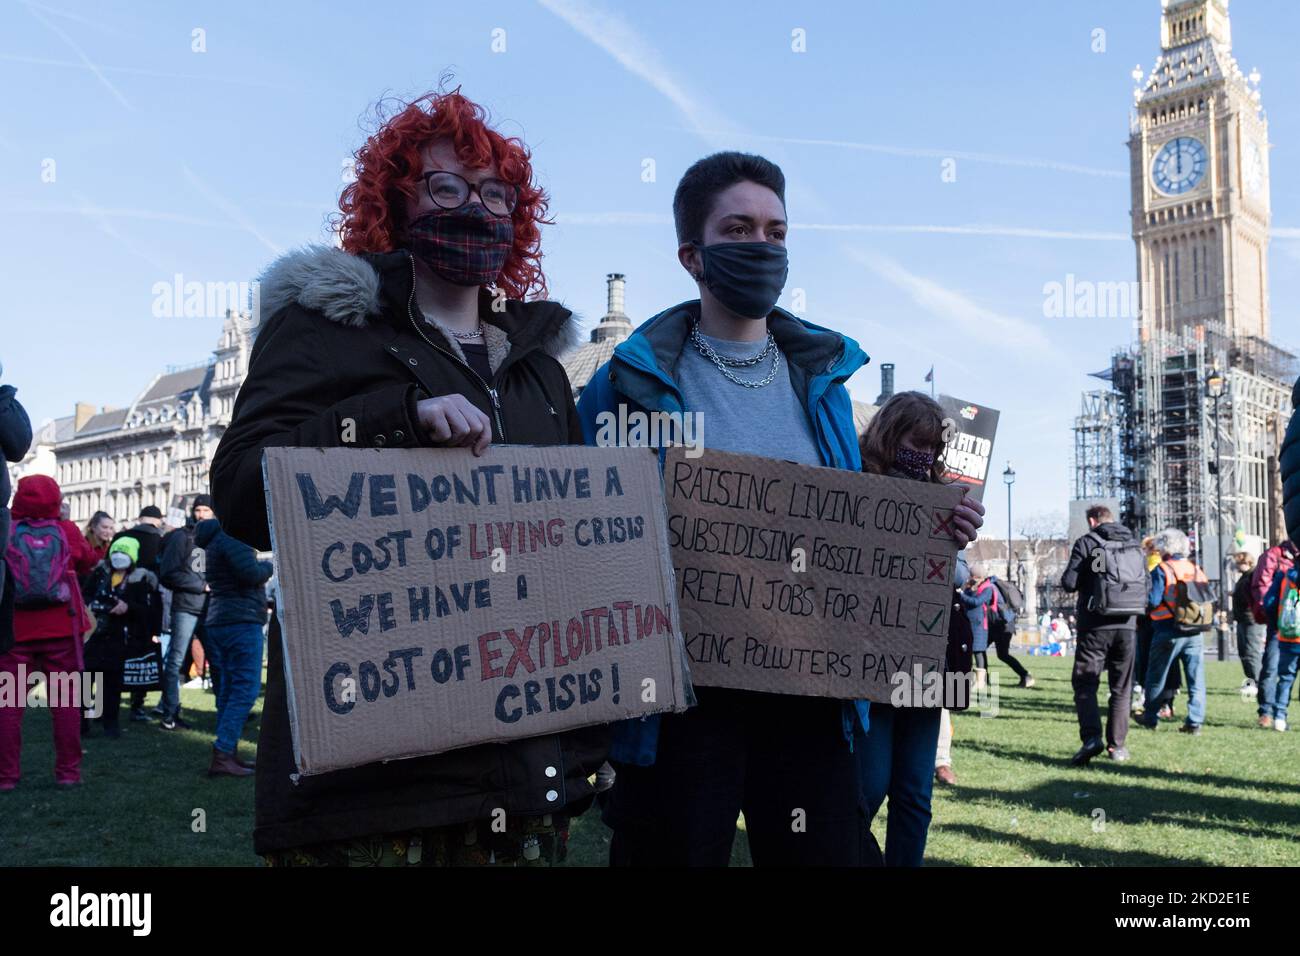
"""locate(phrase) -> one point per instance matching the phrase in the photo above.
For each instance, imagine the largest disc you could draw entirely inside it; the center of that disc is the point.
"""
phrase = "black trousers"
(780, 759)
(1000, 638)
(1111, 650)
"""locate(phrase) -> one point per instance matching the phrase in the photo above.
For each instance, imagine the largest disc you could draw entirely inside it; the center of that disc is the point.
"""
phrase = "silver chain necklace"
(462, 336)
(724, 365)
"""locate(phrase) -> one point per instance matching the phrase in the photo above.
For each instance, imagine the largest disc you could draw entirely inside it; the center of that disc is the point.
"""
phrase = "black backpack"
(1011, 595)
(1120, 580)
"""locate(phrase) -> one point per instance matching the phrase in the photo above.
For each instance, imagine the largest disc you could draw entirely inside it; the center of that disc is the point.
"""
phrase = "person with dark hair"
(234, 619)
(768, 384)
(428, 328)
(897, 757)
(1108, 570)
(181, 572)
(1002, 627)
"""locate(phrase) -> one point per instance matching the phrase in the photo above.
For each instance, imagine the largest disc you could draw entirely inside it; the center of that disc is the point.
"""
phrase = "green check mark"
(929, 628)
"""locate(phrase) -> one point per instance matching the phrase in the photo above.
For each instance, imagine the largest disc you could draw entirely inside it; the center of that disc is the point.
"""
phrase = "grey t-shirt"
(768, 421)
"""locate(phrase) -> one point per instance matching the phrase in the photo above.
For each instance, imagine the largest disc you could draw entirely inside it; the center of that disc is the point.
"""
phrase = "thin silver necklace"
(724, 364)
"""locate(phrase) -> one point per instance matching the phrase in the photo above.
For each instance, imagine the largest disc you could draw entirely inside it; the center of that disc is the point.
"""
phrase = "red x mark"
(520, 653)
(937, 569)
(943, 524)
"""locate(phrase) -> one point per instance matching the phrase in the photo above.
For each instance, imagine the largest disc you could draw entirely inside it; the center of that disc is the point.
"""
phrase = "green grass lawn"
(1230, 797)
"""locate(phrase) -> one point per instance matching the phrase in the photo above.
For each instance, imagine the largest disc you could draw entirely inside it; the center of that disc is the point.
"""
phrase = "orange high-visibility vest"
(1179, 569)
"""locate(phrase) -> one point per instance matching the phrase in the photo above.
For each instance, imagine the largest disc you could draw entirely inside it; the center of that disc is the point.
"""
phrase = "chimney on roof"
(615, 283)
(82, 414)
(615, 325)
(886, 383)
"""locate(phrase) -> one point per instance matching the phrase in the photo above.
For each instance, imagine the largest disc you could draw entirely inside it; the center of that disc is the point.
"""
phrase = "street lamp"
(1009, 477)
(1214, 383)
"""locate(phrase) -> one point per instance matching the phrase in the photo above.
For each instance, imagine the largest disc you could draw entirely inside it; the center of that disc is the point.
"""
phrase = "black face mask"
(746, 277)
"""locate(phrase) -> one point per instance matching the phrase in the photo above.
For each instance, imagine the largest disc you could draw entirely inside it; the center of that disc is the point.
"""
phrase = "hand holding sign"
(968, 518)
(454, 421)
(815, 581)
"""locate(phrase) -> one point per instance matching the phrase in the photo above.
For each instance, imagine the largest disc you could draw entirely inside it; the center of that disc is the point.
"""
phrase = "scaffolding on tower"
(1152, 439)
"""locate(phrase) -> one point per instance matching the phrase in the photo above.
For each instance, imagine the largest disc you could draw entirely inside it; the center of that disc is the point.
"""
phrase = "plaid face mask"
(467, 246)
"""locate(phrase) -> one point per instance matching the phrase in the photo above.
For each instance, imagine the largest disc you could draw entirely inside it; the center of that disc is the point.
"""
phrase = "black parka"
(343, 347)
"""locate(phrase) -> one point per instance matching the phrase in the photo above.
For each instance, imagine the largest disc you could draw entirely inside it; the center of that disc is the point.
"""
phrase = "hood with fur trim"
(358, 290)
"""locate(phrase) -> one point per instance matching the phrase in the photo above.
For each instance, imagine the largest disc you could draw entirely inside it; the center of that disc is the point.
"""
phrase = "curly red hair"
(388, 165)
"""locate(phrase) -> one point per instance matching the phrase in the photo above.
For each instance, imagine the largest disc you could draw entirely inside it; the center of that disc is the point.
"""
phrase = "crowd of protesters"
(397, 332)
(1144, 610)
(93, 602)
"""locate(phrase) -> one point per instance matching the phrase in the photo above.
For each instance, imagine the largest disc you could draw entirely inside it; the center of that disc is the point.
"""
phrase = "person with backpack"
(127, 605)
(1273, 563)
(1182, 610)
(15, 439)
(44, 557)
(181, 572)
(1108, 571)
(978, 598)
(1002, 626)
(1283, 603)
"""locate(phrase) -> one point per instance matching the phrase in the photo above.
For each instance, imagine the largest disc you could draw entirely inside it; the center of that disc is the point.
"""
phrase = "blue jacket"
(640, 375)
(975, 605)
(237, 578)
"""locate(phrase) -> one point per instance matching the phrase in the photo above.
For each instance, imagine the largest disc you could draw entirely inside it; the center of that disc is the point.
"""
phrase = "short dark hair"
(709, 176)
(1099, 514)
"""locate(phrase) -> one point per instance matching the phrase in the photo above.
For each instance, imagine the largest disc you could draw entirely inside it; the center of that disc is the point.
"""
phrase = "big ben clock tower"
(1199, 171)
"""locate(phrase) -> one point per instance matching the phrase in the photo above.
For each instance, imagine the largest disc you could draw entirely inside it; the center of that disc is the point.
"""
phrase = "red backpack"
(40, 564)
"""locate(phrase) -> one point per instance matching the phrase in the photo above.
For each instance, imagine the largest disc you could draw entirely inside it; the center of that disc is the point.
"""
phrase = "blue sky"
(207, 164)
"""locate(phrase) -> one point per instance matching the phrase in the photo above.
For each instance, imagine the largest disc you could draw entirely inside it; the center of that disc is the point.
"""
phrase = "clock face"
(1254, 170)
(1179, 165)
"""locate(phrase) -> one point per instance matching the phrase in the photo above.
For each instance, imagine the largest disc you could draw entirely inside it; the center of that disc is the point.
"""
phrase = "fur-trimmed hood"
(358, 290)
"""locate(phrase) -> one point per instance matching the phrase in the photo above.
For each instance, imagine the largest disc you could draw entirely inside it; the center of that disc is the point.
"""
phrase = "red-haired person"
(45, 555)
(428, 328)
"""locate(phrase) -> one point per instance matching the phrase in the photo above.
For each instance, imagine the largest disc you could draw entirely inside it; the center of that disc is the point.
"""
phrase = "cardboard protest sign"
(431, 600)
(970, 432)
(814, 581)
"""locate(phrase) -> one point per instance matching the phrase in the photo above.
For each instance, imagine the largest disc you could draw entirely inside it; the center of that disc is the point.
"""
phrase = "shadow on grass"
(1125, 803)
(1128, 771)
(1071, 853)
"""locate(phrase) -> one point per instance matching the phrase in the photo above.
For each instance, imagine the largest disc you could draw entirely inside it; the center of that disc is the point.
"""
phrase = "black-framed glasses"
(451, 191)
